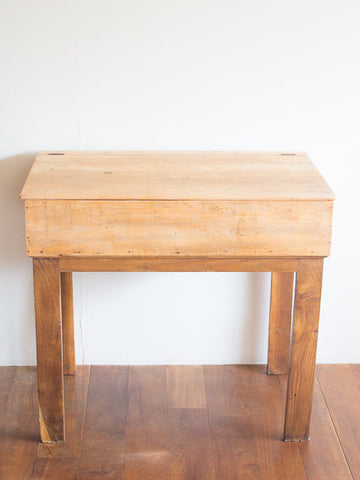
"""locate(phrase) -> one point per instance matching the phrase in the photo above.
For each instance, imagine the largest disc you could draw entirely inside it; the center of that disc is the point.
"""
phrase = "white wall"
(179, 74)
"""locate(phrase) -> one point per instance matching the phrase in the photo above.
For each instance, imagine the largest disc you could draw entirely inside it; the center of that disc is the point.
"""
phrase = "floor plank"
(277, 459)
(53, 468)
(7, 375)
(76, 391)
(229, 425)
(103, 444)
(355, 367)
(186, 388)
(246, 409)
(340, 387)
(100, 476)
(320, 466)
(190, 443)
(20, 433)
(147, 453)
(191, 448)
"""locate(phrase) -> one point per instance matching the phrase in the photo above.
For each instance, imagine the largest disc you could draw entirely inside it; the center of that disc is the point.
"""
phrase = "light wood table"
(167, 211)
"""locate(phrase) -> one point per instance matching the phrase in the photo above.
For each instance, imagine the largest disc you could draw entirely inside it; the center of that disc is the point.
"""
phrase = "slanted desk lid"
(174, 176)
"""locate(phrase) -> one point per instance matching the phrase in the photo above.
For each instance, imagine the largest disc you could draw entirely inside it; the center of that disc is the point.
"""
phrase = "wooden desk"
(157, 211)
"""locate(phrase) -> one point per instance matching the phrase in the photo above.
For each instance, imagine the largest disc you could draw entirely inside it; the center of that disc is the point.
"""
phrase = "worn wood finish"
(186, 387)
(103, 442)
(67, 312)
(277, 460)
(324, 439)
(355, 367)
(49, 349)
(19, 428)
(178, 264)
(147, 435)
(246, 413)
(175, 175)
(178, 211)
(55, 469)
(244, 409)
(341, 388)
(231, 422)
(76, 392)
(303, 351)
(190, 445)
(281, 304)
(100, 475)
(7, 375)
(159, 228)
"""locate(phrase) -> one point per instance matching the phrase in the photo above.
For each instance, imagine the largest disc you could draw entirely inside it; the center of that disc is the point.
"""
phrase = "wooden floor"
(180, 423)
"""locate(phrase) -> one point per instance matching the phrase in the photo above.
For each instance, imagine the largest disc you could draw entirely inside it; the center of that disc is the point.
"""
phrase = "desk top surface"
(175, 176)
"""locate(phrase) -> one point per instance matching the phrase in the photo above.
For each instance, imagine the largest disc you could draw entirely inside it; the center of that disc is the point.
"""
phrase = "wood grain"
(231, 423)
(342, 393)
(355, 367)
(19, 432)
(67, 312)
(303, 351)
(103, 443)
(100, 475)
(49, 349)
(7, 375)
(55, 469)
(320, 466)
(150, 208)
(190, 444)
(147, 436)
(175, 176)
(170, 228)
(245, 412)
(277, 459)
(76, 392)
(281, 305)
(178, 264)
(246, 415)
(185, 386)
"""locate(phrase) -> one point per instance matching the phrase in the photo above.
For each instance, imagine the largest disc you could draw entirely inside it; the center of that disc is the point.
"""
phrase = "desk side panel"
(57, 228)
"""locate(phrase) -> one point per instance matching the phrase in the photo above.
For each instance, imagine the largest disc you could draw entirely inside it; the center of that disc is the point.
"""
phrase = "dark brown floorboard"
(20, 432)
(103, 442)
(340, 387)
(147, 438)
(180, 423)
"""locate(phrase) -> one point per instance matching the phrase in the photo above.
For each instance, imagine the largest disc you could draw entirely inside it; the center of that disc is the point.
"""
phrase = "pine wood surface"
(178, 228)
(176, 204)
(137, 422)
(175, 176)
(178, 264)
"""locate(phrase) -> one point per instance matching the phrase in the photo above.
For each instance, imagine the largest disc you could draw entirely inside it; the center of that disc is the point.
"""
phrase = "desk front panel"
(56, 228)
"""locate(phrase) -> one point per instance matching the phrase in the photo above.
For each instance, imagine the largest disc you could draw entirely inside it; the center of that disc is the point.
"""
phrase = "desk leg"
(49, 349)
(67, 313)
(282, 284)
(303, 350)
